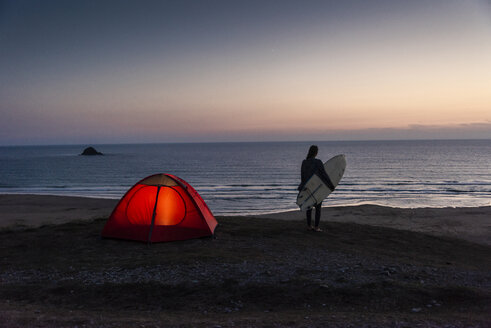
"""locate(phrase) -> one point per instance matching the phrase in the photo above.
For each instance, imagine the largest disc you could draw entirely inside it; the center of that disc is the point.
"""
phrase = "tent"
(161, 207)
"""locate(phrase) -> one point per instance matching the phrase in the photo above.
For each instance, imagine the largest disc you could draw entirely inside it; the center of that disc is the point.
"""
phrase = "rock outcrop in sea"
(90, 151)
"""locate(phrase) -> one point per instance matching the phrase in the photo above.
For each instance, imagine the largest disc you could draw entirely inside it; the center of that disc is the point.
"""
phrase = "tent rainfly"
(161, 207)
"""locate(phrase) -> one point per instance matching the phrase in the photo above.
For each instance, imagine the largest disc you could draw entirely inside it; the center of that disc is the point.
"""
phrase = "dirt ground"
(257, 272)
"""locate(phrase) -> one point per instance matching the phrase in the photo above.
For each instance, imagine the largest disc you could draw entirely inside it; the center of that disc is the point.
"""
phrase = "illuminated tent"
(161, 207)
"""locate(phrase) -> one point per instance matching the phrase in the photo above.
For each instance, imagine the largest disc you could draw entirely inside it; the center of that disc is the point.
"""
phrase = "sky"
(77, 72)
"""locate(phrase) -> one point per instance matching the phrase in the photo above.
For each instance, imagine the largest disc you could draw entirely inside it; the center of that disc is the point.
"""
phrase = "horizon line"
(240, 142)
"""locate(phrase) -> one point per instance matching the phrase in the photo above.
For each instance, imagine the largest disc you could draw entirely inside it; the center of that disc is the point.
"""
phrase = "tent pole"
(153, 215)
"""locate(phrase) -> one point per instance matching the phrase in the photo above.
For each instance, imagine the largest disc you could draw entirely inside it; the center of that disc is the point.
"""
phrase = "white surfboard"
(315, 190)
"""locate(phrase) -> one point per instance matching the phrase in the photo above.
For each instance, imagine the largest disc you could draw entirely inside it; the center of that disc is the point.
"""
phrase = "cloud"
(474, 130)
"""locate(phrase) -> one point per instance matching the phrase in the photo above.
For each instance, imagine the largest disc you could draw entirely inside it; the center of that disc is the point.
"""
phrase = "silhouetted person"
(311, 166)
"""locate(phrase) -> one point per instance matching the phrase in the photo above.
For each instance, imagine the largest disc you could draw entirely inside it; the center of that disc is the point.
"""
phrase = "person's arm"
(324, 176)
(303, 177)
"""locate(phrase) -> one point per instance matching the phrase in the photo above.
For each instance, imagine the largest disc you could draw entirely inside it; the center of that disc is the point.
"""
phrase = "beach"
(372, 266)
(468, 223)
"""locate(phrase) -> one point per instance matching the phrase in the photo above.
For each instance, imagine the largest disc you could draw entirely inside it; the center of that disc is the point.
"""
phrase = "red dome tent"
(161, 207)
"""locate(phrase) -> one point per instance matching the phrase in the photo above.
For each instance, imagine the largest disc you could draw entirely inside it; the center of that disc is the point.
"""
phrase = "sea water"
(262, 177)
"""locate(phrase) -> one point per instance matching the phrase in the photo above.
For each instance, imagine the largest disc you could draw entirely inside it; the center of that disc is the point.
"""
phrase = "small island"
(90, 151)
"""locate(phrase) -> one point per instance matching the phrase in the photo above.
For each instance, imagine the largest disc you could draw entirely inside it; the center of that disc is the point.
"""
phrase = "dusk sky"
(192, 71)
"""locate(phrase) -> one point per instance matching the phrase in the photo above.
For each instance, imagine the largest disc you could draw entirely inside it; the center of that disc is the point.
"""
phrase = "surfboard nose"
(342, 158)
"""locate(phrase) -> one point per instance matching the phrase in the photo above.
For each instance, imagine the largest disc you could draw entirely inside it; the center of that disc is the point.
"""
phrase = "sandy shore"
(39, 210)
(471, 224)
(265, 271)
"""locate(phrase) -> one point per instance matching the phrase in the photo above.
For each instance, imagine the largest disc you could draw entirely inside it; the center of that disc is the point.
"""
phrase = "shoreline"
(365, 203)
(326, 204)
(18, 211)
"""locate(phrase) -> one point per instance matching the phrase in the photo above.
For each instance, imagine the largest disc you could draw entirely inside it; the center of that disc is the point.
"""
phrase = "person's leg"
(309, 218)
(317, 215)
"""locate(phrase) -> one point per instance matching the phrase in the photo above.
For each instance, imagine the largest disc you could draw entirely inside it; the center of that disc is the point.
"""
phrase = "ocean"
(262, 177)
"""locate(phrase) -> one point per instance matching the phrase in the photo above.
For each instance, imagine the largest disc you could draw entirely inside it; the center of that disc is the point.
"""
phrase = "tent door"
(153, 215)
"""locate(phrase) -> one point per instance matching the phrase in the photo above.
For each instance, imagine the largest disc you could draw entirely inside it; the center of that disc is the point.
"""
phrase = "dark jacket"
(313, 166)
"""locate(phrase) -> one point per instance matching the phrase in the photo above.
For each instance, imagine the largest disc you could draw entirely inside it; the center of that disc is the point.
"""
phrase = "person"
(311, 166)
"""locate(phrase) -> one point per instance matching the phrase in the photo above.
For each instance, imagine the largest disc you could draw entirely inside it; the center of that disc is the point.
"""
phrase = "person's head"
(313, 150)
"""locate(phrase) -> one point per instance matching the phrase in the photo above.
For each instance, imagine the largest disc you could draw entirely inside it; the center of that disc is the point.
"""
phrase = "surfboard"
(315, 190)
